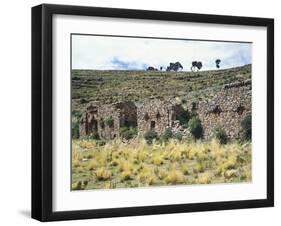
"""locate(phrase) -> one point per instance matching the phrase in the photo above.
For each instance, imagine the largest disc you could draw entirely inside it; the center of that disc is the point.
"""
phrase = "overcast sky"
(121, 53)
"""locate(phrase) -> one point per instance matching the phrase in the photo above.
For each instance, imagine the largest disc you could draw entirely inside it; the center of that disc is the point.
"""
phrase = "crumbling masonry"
(226, 110)
(106, 120)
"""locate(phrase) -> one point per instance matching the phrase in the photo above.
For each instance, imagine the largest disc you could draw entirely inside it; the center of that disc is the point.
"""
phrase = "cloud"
(119, 64)
(105, 53)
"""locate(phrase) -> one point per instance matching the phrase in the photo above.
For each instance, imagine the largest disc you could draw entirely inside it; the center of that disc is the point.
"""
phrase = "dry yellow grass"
(118, 164)
(103, 174)
(175, 177)
(204, 179)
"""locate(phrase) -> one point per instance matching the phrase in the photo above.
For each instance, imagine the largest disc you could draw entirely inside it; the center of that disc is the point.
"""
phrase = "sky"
(124, 53)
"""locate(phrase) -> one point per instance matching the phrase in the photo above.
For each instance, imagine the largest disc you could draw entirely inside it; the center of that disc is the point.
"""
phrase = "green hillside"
(114, 86)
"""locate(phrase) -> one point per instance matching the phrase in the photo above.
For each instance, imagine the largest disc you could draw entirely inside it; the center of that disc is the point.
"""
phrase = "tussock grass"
(204, 179)
(137, 164)
(175, 177)
(103, 174)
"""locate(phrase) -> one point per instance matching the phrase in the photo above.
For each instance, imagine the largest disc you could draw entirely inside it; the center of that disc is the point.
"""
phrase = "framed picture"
(146, 112)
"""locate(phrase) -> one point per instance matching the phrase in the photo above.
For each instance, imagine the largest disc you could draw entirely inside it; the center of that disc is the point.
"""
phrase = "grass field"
(136, 164)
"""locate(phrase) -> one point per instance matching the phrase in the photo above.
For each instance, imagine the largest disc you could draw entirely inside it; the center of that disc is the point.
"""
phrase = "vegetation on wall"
(220, 135)
(195, 127)
(75, 130)
(128, 133)
(183, 118)
(109, 122)
(246, 125)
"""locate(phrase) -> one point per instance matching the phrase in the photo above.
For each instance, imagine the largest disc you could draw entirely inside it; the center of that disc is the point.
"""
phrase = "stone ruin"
(226, 110)
(105, 120)
(158, 115)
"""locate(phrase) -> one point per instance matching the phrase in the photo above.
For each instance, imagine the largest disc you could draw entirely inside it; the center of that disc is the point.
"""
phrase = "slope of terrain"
(115, 86)
(116, 163)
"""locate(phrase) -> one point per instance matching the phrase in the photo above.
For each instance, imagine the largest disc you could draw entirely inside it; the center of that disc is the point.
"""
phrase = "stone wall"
(107, 119)
(155, 114)
(226, 110)
(128, 114)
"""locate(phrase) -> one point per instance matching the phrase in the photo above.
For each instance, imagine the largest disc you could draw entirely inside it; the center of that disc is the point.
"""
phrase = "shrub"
(76, 114)
(150, 135)
(128, 133)
(183, 117)
(109, 122)
(75, 130)
(185, 126)
(195, 127)
(168, 134)
(94, 136)
(246, 125)
(220, 135)
(177, 136)
(193, 114)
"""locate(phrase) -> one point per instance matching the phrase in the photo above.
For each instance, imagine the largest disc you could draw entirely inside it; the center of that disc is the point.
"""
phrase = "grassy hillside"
(117, 164)
(113, 86)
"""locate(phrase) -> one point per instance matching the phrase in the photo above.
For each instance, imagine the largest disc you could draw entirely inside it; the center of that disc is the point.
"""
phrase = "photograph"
(149, 111)
(140, 112)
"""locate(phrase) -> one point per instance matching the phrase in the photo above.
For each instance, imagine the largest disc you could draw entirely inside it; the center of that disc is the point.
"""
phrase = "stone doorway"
(152, 125)
(93, 127)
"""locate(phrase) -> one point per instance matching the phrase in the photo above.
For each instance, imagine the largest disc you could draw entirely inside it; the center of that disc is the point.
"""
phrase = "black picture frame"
(42, 107)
